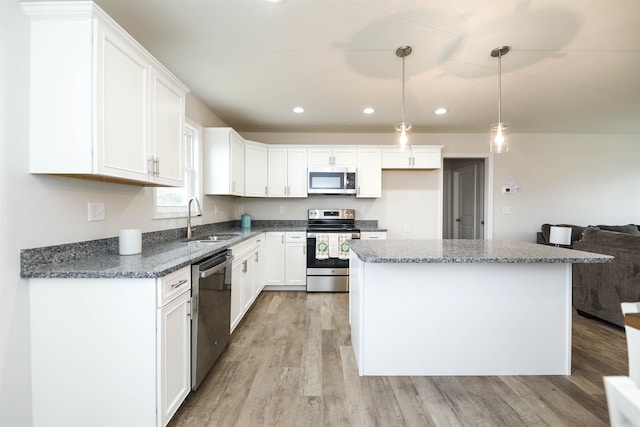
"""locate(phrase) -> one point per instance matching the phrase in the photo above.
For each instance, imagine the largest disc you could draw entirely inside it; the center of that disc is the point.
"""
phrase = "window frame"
(192, 154)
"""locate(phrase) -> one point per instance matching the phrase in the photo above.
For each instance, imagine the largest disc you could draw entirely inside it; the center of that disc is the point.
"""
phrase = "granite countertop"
(100, 259)
(468, 251)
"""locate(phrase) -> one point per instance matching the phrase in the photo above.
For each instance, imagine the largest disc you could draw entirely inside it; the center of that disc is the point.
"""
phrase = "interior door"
(465, 189)
(463, 199)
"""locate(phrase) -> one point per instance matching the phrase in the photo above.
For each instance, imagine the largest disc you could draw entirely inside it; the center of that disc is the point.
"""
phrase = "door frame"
(488, 189)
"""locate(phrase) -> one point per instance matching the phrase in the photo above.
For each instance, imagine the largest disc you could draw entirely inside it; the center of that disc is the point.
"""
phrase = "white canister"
(130, 242)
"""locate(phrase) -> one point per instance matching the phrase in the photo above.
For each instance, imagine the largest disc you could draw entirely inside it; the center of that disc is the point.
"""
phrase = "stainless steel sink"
(215, 238)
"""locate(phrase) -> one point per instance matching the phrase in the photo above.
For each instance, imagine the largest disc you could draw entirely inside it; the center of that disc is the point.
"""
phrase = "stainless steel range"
(328, 233)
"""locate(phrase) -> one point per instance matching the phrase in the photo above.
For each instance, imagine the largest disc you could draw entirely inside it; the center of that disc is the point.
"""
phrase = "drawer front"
(373, 235)
(173, 284)
(295, 236)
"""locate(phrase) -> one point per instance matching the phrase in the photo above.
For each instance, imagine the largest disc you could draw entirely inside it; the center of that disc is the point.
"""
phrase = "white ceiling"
(574, 65)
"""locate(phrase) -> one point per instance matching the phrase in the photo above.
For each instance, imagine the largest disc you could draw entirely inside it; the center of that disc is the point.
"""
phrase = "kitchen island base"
(436, 319)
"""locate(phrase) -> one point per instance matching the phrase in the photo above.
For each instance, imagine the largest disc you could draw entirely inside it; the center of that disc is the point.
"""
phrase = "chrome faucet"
(189, 231)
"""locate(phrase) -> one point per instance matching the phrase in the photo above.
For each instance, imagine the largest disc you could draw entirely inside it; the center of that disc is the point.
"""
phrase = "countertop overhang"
(465, 251)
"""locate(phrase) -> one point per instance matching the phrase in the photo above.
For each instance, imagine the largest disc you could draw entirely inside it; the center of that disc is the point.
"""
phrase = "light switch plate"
(96, 211)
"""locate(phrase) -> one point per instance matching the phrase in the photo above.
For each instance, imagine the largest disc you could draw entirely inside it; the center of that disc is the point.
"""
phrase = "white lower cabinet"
(174, 356)
(118, 348)
(247, 277)
(286, 260)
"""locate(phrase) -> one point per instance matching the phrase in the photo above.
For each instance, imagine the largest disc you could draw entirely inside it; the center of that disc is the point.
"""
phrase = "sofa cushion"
(598, 236)
(629, 229)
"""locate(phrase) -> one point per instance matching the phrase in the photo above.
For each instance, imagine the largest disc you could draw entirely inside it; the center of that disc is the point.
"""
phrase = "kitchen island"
(462, 307)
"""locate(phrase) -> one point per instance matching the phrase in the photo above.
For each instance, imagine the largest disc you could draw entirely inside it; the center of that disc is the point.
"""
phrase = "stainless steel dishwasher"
(211, 317)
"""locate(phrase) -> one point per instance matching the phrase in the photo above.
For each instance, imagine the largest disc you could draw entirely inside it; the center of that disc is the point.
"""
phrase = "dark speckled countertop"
(162, 251)
(468, 251)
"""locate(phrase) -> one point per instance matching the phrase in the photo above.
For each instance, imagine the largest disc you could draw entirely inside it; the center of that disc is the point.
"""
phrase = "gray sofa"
(598, 289)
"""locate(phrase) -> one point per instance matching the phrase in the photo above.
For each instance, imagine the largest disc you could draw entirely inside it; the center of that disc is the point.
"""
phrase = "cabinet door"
(297, 172)
(247, 282)
(237, 164)
(426, 158)
(369, 174)
(277, 179)
(167, 131)
(255, 169)
(122, 100)
(236, 293)
(345, 156)
(320, 156)
(295, 259)
(259, 266)
(174, 355)
(394, 159)
(274, 269)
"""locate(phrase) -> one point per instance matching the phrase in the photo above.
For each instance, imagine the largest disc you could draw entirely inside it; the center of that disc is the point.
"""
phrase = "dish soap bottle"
(245, 221)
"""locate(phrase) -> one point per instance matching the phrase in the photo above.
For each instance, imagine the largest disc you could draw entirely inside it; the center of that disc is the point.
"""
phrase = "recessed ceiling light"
(298, 110)
(440, 111)
(369, 110)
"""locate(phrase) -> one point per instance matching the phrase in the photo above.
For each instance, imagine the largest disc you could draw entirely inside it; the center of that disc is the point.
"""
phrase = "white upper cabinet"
(223, 162)
(417, 157)
(255, 169)
(167, 127)
(322, 155)
(369, 173)
(287, 171)
(101, 107)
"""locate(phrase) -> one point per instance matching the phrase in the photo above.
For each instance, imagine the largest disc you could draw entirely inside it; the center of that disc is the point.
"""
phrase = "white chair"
(623, 393)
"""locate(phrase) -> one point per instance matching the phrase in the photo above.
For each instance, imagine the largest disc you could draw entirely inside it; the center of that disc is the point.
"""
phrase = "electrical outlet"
(216, 210)
(506, 210)
(281, 209)
(406, 228)
(241, 209)
(96, 211)
(363, 210)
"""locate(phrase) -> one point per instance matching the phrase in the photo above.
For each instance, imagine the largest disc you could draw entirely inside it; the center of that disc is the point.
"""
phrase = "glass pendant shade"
(403, 131)
(499, 134)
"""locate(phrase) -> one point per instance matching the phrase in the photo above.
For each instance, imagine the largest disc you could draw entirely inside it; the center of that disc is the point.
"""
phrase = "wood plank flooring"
(290, 363)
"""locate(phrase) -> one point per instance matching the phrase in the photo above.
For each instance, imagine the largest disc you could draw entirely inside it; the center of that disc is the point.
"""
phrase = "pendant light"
(499, 132)
(403, 129)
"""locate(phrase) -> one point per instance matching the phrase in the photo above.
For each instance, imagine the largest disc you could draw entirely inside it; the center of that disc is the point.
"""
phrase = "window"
(172, 202)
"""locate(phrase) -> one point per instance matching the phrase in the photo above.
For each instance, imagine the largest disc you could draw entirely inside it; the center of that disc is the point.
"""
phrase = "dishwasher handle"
(224, 261)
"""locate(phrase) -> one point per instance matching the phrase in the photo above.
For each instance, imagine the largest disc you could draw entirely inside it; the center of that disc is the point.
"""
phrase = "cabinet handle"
(178, 284)
(156, 166)
(265, 190)
(257, 257)
(282, 238)
(150, 166)
(244, 266)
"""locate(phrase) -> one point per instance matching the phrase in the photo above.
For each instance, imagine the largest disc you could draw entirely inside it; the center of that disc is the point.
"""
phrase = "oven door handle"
(314, 235)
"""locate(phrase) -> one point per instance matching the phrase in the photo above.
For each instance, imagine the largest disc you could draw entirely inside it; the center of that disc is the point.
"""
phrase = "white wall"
(579, 179)
(594, 179)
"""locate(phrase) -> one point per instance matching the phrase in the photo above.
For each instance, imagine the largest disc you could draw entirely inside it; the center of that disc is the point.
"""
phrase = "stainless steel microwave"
(332, 180)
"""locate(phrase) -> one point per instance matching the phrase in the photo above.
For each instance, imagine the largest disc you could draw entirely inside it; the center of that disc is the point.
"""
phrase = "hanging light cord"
(499, 87)
(403, 121)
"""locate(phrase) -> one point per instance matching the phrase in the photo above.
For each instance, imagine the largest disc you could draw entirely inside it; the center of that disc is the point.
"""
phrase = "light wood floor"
(290, 363)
